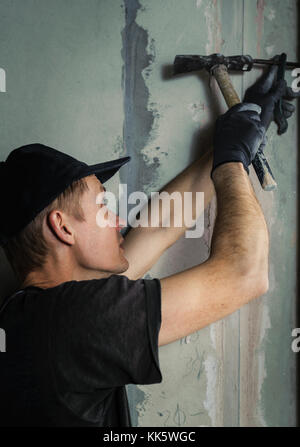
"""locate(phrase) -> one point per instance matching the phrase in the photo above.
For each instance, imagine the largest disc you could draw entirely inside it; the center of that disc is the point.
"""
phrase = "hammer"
(218, 65)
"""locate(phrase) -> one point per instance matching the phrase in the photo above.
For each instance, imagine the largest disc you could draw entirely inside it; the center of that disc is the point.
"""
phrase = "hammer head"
(186, 63)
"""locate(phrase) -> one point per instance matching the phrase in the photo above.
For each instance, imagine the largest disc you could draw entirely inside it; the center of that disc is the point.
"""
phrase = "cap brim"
(104, 171)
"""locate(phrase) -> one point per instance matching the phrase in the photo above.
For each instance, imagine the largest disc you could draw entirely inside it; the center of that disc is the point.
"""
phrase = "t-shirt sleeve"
(105, 333)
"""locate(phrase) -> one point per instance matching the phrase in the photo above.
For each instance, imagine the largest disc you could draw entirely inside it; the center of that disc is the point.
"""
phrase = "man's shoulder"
(115, 282)
(94, 294)
(74, 286)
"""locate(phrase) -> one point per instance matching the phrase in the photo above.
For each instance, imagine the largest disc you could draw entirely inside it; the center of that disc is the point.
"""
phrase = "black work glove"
(238, 135)
(266, 91)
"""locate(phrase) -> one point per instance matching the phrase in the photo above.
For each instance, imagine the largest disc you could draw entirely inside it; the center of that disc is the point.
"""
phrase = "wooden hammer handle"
(260, 164)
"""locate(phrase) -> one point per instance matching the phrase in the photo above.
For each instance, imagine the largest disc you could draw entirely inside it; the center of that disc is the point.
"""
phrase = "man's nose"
(120, 223)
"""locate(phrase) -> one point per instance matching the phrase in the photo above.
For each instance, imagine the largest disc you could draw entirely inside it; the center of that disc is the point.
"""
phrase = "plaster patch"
(141, 121)
(272, 279)
(187, 339)
(136, 397)
(197, 110)
(260, 5)
(142, 405)
(262, 373)
(269, 50)
(265, 323)
(271, 15)
(213, 335)
(150, 152)
(209, 23)
(211, 369)
(214, 38)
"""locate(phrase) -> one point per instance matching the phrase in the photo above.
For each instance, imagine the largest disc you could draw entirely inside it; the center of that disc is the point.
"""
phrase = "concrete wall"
(92, 78)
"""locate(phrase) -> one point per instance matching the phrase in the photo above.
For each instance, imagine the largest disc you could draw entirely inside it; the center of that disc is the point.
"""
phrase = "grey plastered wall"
(92, 78)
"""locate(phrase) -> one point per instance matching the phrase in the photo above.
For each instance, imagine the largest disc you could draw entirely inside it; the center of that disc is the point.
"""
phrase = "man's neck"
(45, 280)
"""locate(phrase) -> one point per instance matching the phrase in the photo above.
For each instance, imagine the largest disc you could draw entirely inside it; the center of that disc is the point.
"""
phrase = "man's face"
(98, 247)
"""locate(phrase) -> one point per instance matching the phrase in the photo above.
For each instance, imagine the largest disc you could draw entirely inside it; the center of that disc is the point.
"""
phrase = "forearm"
(195, 178)
(240, 233)
(153, 240)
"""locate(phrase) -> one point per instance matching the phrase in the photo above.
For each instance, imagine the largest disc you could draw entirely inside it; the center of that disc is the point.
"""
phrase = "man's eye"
(104, 201)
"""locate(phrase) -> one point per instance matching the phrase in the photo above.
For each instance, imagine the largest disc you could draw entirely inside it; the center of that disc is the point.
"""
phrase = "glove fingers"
(278, 90)
(287, 109)
(287, 106)
(281, 121)
(265, 82)
(287, 114)
(290, 94)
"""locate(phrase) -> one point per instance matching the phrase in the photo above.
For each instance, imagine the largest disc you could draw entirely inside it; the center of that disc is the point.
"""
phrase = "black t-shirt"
(71, 349)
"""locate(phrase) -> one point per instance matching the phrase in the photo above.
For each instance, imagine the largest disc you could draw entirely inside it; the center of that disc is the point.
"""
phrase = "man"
(84, 323)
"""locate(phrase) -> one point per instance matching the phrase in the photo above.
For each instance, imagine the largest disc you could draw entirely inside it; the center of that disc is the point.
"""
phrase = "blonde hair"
(28, 249)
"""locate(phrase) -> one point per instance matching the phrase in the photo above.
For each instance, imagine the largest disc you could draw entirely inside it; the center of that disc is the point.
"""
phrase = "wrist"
(226, 170)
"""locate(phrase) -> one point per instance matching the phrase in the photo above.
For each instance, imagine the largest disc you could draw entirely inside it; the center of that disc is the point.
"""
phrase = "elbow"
(255, 284)
(262, 277)
(245, 280)
(262, 285)
(254, 276)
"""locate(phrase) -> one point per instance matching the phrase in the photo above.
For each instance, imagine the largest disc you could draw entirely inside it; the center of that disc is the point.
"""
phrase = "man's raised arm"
(153, 241)
(237, 268)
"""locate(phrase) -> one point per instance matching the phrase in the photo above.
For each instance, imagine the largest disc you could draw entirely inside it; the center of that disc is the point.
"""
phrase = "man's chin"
(121, 267)
(124, 265)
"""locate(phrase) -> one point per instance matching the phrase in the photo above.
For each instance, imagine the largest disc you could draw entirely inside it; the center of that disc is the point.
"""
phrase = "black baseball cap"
(33, 176)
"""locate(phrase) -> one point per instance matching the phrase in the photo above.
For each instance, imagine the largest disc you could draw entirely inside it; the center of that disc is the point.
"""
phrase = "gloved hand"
(238, 135)
(266, 91)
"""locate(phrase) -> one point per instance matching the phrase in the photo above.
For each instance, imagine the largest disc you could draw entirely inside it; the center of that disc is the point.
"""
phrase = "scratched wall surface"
(95, 82)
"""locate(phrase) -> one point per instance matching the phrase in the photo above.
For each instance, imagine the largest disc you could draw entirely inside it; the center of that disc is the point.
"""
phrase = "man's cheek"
(101, 217)
(105, 218)
(112, 217)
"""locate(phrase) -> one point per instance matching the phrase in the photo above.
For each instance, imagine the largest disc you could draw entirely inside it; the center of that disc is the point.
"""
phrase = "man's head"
(66, 236)
(96, 242)
(61, 240)
(94, 250)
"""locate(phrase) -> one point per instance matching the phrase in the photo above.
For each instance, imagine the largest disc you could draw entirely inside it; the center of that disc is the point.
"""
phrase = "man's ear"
(60, 227)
